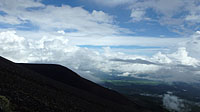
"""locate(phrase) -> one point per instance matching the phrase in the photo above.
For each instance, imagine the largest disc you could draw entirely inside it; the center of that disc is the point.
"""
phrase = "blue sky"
(87, 35)
(121, 13)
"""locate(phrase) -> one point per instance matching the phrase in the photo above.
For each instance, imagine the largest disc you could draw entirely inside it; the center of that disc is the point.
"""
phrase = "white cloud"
(161, 7)
(125, 41)
(112, 3)
(66, 17)
(161, 58)
(12, 46)
(53, 49)
(193, 18)
(9, 20)
(100, 16)
(178, 57)
(15, 9)
(19, 4)
(173, 103)
(194, 9)
(138, 68)
(169, 7)
(61, 32)
(181, 56)
(50, 18)
(178, 15)
(137, 14)
(193, 45)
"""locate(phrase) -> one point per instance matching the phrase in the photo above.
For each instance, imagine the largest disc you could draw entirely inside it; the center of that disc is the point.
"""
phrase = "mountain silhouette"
(55, 88)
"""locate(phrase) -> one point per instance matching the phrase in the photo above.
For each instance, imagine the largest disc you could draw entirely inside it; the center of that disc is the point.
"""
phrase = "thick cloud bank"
(176, 66)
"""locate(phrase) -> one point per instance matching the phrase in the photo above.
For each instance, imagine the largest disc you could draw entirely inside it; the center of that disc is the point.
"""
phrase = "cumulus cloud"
(173, 103)
(47, 50)
(193, 45)
(161, 58)
(12, 46)
(179, 57)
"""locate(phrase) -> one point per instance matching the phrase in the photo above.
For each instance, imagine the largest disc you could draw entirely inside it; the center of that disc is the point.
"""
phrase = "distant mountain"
(54, 88)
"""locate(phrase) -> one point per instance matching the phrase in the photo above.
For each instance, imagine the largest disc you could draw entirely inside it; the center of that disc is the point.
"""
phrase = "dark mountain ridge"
(54, 88)
(67, 76)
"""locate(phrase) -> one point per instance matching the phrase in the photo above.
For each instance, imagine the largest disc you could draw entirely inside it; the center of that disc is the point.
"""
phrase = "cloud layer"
(175, 66)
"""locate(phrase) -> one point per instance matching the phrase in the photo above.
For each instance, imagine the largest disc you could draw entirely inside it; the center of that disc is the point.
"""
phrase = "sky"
(158, 38)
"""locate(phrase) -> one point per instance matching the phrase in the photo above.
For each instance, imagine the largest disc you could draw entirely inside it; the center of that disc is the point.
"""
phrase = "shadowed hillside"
(66, 76)
(54, 88)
